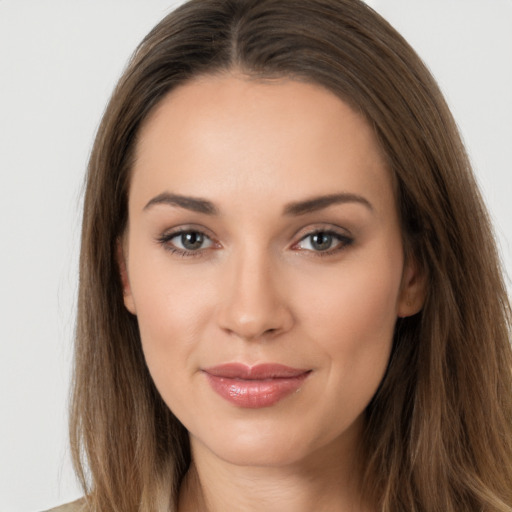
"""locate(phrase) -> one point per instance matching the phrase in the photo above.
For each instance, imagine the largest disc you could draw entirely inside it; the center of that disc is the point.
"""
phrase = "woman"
(290, 296)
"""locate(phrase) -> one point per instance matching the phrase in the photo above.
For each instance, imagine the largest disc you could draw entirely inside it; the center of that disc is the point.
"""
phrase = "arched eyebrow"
(194, 204)
(295, 208)
(320, 202)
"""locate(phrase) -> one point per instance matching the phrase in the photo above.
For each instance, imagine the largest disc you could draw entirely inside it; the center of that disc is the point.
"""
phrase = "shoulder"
(75, 506)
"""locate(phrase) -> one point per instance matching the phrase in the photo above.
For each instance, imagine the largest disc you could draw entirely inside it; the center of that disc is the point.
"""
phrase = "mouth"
(257, 386)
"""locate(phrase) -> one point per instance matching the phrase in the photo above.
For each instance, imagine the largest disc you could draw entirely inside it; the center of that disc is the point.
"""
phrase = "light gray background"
(59, 60)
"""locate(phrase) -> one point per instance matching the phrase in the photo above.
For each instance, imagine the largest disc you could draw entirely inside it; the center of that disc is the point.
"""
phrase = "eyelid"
(320, 227)
(186, 228)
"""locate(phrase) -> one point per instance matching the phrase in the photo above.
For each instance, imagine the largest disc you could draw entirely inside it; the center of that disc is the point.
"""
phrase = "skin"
(259, 290)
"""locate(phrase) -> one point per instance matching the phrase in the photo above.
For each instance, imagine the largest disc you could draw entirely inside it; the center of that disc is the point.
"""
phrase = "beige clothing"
(75, 506)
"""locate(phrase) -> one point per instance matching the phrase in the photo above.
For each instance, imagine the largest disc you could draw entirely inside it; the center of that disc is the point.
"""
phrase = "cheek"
(355, 307)
(352, 317)
(169, 329)
(171, 311)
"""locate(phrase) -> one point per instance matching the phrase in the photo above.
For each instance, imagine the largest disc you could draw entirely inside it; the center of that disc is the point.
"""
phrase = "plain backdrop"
(59, 60)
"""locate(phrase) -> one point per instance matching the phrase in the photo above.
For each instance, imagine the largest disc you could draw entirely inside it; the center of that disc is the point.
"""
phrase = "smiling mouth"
(255, 387)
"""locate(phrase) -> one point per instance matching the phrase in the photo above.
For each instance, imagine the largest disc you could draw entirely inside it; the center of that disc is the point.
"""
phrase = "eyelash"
(164, 240)
(343, 240)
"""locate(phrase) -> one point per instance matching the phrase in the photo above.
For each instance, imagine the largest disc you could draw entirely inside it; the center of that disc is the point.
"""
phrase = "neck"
(327, 480)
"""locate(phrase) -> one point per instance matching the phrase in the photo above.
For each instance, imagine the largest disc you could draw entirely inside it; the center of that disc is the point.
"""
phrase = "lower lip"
(255, 394)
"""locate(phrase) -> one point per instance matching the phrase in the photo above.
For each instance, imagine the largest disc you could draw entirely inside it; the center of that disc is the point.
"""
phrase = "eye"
(323, 241)
(191, 240)
(187, 242)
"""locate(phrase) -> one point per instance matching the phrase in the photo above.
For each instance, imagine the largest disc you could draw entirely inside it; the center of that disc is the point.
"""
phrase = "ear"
(127, 291)
(413, 289)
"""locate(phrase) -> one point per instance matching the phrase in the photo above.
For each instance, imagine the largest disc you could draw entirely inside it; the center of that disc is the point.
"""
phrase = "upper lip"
(257, 372)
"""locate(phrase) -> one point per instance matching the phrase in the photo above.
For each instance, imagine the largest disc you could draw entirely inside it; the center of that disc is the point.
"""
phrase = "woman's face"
(264, 262)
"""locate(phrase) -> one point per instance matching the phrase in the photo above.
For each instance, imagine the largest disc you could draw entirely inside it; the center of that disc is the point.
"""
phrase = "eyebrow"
(194, 204)
(319, 203)
(295, 208)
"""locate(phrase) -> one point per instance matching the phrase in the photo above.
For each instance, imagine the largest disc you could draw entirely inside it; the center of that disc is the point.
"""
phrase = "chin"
(270, 445)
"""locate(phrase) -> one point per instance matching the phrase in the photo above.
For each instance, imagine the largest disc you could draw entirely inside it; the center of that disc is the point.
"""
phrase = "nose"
(253, 304)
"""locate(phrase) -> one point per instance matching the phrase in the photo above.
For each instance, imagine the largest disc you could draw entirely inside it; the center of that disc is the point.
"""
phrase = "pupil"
(321, 241)
(192, 240)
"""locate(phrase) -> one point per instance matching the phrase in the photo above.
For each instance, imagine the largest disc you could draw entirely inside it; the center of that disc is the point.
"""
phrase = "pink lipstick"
(254, 387)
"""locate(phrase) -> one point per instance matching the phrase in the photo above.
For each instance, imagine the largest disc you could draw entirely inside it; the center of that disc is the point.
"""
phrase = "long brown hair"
(439, 430)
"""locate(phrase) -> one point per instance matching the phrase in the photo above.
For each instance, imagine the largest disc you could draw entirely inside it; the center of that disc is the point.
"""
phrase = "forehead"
(230, 136)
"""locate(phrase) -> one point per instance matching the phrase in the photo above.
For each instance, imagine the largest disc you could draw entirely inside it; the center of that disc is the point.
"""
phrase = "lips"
(255, 387)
